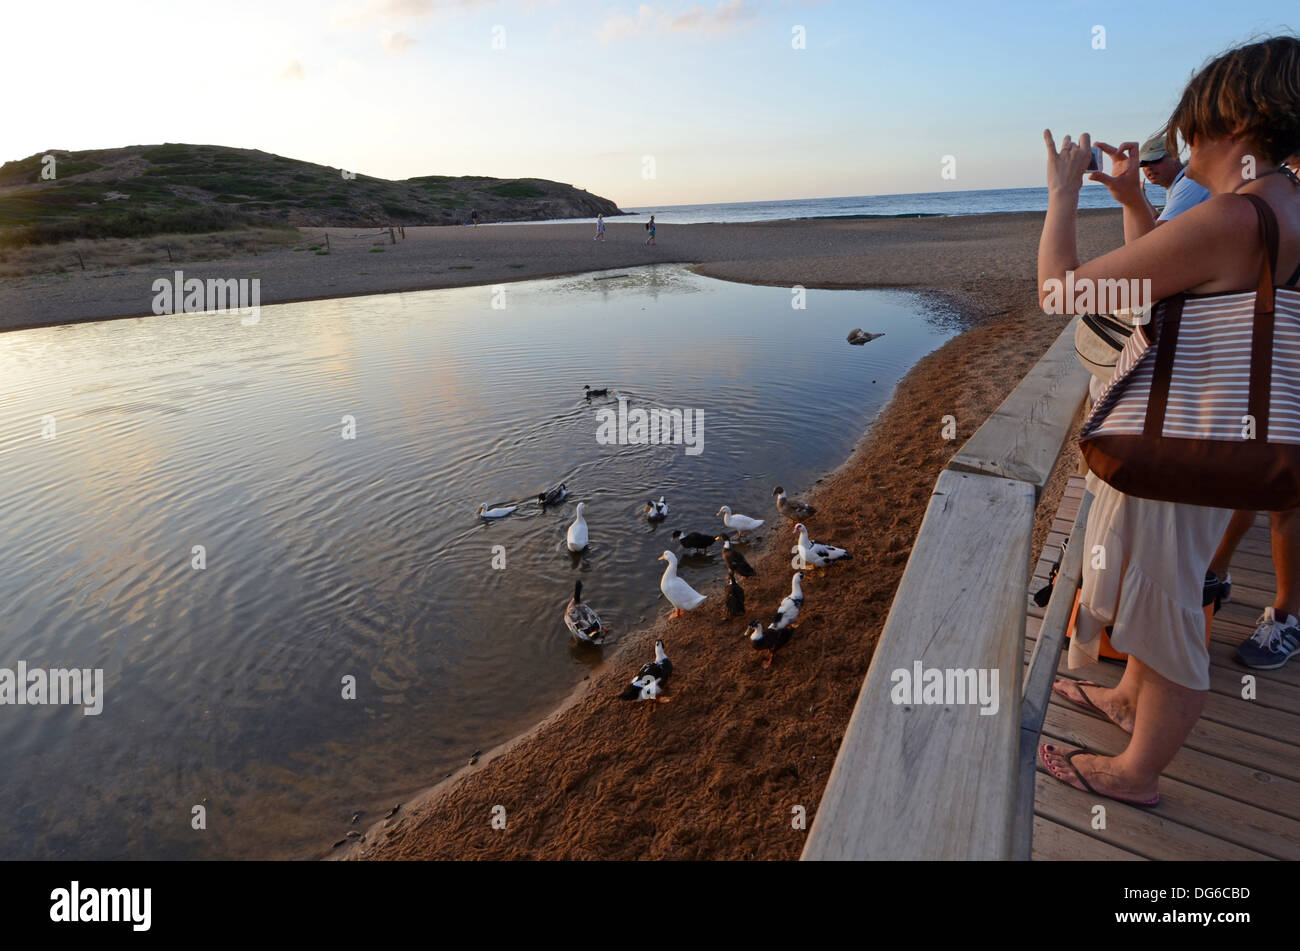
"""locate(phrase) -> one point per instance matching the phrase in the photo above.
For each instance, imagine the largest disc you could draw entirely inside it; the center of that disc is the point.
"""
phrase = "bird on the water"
(589, 392)
(656, 511)
(697, 542)
(577, 538)
(553, 496)
(735, 560)
(582, 620)
(500, 512)
(792, 509)
(767, 639)
(680, 594)
(735, 597)
(739, 523)
(649, 682)
(811, 554)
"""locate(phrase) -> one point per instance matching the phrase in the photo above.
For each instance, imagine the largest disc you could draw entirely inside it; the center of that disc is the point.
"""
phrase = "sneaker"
(1273, 642)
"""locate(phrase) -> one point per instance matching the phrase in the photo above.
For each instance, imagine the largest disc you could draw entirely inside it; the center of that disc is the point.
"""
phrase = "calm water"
(328, 557)
(981, 202)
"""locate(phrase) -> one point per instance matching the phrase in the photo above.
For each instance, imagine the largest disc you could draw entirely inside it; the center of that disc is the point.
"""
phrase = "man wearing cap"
(1161, 169)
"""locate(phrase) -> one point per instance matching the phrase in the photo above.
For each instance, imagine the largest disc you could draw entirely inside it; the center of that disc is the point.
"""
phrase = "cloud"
(725, 16)
(386, 12)
(398, 42)
(293, 71)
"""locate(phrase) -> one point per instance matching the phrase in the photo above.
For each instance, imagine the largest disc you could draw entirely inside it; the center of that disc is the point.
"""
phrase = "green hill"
(154, 189)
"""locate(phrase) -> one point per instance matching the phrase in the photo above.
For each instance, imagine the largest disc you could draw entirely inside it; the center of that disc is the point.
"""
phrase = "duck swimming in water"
(576, 537)
(500, 512)
(582, 621)
(656, 511)
(696, 542)
(588, 392)
(553, 496)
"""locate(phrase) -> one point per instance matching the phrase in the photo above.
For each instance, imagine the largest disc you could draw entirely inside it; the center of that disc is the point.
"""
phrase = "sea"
(979, 202)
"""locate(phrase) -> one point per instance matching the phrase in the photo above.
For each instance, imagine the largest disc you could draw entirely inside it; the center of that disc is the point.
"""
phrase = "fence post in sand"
(402, 230)
(392, 238)
(169, 253)
(327, 240)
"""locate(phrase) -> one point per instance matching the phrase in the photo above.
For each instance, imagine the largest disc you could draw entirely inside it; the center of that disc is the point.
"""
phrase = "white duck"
(677, 591)
(656, 511)
(788, 612)
(811, 554)
(500, 512)
(739, 523)
(577, 536)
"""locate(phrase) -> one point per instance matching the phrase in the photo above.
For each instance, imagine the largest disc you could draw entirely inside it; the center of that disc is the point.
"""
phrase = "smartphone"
(1094, 164)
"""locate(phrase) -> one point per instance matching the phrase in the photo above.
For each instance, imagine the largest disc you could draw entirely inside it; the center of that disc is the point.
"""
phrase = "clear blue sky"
(582, 92)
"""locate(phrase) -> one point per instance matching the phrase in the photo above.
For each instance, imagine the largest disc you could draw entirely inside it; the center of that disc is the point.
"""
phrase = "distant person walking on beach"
(600, 228)
(473, 217)
(650, 226)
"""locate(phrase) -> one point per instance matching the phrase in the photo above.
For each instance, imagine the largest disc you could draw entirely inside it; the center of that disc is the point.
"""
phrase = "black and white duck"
(656, 511)
(811, 554)
(649, 682)
(768, 639)
(588, 392)
(788, 611)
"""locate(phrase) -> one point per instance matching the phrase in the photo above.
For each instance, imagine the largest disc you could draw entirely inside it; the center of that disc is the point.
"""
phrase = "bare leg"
(1238, 525)
(1166, 713)
(1286, 559)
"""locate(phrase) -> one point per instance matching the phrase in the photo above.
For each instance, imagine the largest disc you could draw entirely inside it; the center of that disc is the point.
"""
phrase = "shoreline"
(715, 774)
(819, 253)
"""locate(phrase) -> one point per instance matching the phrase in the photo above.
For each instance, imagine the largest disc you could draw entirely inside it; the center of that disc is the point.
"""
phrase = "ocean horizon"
(948, 203)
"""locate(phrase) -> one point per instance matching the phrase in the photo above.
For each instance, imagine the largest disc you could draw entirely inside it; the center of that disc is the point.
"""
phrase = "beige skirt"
(1144, 566)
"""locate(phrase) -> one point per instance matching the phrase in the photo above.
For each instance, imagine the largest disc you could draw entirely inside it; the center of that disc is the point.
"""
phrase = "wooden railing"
(943, 780)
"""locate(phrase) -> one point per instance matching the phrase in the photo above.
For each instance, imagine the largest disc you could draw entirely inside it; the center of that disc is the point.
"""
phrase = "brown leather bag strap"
(1171, 314)
(1261, 341)
(1268, 238)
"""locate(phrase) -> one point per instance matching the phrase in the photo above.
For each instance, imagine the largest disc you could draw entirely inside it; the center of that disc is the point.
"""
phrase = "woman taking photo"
(1240, 118)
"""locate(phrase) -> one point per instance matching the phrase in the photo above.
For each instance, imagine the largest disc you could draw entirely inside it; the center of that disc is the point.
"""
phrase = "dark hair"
(1251, 92)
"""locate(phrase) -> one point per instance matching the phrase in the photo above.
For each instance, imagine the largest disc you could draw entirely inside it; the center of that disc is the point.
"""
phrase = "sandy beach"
(977, 255)
(716, 773)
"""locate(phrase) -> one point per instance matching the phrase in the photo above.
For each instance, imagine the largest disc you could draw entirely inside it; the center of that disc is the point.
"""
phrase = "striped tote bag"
(1209, 412)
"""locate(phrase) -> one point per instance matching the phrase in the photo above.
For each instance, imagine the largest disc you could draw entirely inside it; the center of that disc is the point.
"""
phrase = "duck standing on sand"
(681, 595)
(696, 542)
(656, 511)
(582, 621)
(735, 597)
(811, 554)
(553, 496)
(501, 512)
(793, 510)
(739, 523)
(735, 560)
(577, 536)
(788, 611)
(649, 683)
(770, 640)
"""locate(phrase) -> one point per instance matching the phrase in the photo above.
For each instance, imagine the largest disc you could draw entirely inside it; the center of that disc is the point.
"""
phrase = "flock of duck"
(586, 626)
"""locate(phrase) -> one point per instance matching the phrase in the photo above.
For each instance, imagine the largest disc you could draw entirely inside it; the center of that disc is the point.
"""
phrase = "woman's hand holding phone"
(1125, 179)
(1066, 167)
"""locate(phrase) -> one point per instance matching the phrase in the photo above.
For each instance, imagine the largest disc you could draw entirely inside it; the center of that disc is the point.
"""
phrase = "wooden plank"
(938, 781)
(1023, 437)
(1058, 843)
(1144, 832)
(1243, 783)
(1189, 803)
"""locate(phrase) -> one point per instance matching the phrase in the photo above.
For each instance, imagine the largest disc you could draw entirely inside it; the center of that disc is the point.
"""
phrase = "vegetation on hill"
(177, 188)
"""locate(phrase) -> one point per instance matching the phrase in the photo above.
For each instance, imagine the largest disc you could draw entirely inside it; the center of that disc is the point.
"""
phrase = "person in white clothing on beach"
(600, 228)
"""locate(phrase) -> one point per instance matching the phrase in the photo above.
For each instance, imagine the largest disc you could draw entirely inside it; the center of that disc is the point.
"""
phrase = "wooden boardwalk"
(1233, 790)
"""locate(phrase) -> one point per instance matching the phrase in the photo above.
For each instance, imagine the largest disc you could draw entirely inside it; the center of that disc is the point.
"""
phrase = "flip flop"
(1086, 704)
(1087, 787)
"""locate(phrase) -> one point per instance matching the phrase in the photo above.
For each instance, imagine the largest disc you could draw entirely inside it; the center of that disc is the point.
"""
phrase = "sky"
(663, 103)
